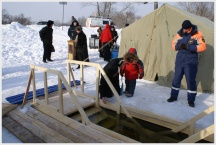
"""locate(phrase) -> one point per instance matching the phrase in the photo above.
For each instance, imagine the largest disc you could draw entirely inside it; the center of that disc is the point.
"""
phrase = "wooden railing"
(61, 79)
(119, 108)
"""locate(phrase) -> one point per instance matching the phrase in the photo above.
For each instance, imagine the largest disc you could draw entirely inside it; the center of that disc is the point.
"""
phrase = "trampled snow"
(21, 46)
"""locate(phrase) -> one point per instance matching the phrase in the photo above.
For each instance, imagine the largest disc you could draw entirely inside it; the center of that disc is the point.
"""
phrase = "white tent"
(152, 36)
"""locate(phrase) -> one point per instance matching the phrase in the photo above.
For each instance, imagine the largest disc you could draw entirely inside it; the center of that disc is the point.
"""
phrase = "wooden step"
(7, 108)
(38, 128)
(68, 132)
(19, 131)
(89, 113)
(88, 130)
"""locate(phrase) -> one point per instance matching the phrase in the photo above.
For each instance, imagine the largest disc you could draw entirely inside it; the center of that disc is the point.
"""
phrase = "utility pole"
(63, 3)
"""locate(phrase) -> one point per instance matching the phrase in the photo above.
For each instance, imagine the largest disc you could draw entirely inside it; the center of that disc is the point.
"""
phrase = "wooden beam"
(68, 72)
(74, 99)
(82, 63)
(38, 128)
(52, 71)
(97, 87)
(27, 89)
(19, 131)
(81, 78)
(61, 105)
(99, 136)
(200, 135)
(7, 108)
(45, 88)
(72, 134)
(33, 86)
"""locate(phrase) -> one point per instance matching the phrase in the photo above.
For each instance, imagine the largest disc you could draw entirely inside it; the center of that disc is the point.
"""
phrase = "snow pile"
(21, 46)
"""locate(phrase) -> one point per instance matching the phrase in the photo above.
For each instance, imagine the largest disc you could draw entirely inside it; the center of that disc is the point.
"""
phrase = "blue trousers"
(190, 75)
(130, 86)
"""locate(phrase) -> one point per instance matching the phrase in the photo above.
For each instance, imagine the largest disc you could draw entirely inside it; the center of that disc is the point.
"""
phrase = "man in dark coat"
(111, 70)
(72, 29)
(81, 46)
(46, 35)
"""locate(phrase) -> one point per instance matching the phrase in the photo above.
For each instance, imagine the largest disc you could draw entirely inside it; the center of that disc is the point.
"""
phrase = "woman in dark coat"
(81, 46)
(111, 70)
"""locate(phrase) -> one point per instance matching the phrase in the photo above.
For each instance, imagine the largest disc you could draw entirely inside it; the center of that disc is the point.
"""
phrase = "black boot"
(191, 104)
(49, 60)
(171, 99)
(44, 61)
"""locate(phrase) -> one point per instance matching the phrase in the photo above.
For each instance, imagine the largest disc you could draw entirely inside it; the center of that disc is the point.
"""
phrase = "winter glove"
(183, 46)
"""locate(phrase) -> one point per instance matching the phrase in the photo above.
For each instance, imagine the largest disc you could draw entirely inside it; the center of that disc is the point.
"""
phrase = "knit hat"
(133, 51)
(50, 22)
(186, 24)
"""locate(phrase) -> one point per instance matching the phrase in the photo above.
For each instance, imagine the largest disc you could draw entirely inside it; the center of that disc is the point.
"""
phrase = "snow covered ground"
(21, 46)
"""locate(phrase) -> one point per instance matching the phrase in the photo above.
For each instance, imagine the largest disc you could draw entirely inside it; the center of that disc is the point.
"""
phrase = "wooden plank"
(68, 72)
(6, 108)
(45, 88)
(33, 85)
(82, 78)
(89, 112)
(27, 89)
(97, 87)
(83, 63)
(61, 104)
(78, 93)
(19, 131)
(199, 135)
(99, 136)
(38, 128)
(48, 70)
(69, 106)
(75, 135)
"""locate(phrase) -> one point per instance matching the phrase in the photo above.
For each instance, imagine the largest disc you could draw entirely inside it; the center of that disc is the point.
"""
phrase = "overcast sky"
(54, 11)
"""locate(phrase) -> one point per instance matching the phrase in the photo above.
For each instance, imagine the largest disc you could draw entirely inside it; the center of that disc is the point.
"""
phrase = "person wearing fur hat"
(188, 42)
(132, 68)
(46, 35)
(111, 70)
(72, 29)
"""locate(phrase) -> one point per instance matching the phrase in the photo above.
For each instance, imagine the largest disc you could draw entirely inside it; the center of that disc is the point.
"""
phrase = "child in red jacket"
(133, 69)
